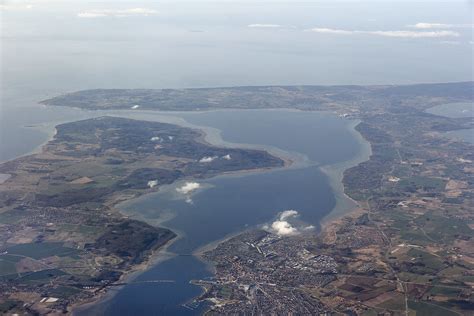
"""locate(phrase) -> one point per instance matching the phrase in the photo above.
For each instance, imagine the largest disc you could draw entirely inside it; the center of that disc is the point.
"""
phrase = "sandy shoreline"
(335, 174)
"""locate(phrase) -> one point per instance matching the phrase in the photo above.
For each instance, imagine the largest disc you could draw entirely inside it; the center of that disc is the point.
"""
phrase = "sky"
(54, 46)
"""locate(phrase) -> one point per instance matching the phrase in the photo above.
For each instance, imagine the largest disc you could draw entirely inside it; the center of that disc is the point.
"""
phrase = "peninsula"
(62, 242)
(407, 249)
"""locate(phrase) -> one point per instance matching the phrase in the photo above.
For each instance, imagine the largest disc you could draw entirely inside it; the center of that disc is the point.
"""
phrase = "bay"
(231, 203)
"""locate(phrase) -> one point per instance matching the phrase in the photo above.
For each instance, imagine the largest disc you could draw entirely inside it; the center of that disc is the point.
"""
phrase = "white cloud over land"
(188, 187)
(399, 34)
(208, 159)
(283, 228)
(287, 224)
(287, 214)
(152, 183)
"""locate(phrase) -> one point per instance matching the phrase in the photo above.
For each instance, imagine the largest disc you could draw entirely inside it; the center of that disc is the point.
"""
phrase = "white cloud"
(208, 159)
(331, 31)
(94, 15)
(227, 157)
(283, 228)
(188, 187)
(152, 183)
(288, 224)
(399, 34)
(287, 214)
(155, 139)
(411, 34)
(424, 26)
(450, 42)
(282, 225)
(117, 13)
(136, 106)
(268, 26)
(16, 7)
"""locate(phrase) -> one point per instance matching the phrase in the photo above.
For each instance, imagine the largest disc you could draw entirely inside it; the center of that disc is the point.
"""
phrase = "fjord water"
(456, 110)
(231, 203)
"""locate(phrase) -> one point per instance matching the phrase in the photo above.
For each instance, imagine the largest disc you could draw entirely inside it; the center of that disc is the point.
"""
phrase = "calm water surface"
(456, 110)
(232, 203)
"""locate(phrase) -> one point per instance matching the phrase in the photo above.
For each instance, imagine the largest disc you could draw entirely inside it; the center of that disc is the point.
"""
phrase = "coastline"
(335, 173)
(344, 204)
(213, 137)
(161, 254)
(49, 130)
(158, 255)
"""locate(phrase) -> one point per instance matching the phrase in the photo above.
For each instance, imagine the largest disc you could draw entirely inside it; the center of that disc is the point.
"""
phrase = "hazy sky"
(68, 45)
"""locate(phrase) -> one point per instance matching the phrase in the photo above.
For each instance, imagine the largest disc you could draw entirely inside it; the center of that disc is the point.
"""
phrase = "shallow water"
(453, 110)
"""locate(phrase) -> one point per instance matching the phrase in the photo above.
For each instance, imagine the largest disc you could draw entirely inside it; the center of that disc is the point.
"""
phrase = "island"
(62, 240)
(406, 249)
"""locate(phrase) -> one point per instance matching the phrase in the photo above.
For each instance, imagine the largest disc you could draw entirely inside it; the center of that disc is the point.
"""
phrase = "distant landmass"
(292, 97)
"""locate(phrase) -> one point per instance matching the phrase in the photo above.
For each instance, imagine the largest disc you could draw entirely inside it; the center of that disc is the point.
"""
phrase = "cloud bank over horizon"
(258, 25)
(399, 34)
(424, 26)
(117, 13)
(414, 31)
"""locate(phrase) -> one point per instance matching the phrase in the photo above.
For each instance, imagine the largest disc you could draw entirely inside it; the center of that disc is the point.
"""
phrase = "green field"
(8, 306)
(91, 232)
(442, 228)
(63, 291)
(41, 275)
(7, 267)
(424, 183)
(426, 309)
(11, 216)
(42, 250)
(428, 260)
(445, 291)
(395, 304)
